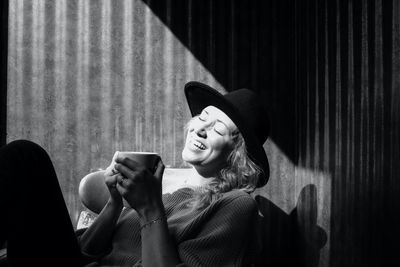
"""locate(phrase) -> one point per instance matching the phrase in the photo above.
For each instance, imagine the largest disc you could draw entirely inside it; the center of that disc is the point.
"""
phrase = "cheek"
(223, 147)
(226, 151)
(187, 135)
(193, 124)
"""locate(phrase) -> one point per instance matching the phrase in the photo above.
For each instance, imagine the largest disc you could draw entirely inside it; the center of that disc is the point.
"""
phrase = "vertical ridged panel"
(348, 113)
(87, 78)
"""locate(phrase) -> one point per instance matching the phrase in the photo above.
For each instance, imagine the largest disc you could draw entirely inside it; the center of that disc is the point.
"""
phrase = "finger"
(109, 172)
(111, 180)
(122, 190)
(125, 171)
(160, 170)
(114, 171)
(120, 179)
(130, 163)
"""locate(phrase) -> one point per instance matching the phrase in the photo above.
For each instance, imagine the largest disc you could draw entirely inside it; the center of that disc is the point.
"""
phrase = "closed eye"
(219, 128)
(203, 115)
(215, 130)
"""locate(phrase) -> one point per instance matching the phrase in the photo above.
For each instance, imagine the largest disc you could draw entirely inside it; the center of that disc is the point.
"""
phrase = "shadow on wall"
(292, 239)
(243, 44)
(252, 44)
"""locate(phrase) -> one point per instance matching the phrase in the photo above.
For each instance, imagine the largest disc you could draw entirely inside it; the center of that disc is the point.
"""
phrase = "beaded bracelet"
(149, 223)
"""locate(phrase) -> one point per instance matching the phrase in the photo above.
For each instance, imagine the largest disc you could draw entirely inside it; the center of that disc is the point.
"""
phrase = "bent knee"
(27, 146)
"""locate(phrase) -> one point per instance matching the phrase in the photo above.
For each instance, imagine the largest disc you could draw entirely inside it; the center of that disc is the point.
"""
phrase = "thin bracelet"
(150, 223)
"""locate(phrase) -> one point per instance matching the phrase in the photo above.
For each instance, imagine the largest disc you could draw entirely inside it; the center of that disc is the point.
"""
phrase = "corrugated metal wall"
(86, 78)
(3, 70)
(348, 82)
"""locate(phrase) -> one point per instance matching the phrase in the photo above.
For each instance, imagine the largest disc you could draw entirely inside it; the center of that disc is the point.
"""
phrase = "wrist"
(115, 203)
(148, 224)
(150, 213)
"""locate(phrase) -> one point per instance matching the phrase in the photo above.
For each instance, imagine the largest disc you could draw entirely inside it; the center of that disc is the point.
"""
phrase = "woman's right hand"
(96, 240)
(111, 181)
(110, 178)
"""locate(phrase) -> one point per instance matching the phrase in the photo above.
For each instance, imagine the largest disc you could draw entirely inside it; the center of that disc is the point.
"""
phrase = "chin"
(185, 155)
(190, 157)
(184, 158)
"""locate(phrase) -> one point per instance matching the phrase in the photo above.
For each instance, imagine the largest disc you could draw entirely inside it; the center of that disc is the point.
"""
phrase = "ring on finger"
(120, 179)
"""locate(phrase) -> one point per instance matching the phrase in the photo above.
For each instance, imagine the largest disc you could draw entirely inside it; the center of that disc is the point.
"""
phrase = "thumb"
(160, 170)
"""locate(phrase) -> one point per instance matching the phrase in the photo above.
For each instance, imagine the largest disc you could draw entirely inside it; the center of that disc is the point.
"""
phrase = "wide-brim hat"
(244, 108)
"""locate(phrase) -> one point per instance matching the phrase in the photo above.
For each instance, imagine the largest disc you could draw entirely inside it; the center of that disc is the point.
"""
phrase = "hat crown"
(251, 110)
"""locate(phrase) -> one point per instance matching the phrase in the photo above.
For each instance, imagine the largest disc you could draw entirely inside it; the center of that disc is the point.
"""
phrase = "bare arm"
(158, 249)
(142, 191)
(97, 238)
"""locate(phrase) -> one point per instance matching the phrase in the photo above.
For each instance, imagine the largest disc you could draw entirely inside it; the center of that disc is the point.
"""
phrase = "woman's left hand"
(139, 187)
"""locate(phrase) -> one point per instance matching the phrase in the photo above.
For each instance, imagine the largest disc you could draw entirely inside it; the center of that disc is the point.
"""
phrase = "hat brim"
(200, 96)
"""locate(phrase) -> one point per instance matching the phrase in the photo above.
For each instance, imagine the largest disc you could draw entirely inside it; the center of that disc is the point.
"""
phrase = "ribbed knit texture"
(218, 235)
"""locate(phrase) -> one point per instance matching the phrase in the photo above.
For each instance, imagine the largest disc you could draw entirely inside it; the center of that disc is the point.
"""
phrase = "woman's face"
(209, 140)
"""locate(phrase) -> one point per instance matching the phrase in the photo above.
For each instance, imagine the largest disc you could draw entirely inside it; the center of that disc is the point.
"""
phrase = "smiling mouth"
(198, 145)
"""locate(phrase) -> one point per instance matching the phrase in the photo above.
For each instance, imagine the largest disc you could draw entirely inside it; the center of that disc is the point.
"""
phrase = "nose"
(201, 132)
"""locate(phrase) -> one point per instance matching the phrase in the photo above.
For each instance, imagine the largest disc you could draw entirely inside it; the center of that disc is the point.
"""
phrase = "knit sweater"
(218, 235)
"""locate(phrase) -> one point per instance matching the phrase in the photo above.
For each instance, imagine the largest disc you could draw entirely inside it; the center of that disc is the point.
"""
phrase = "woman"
(206, 224)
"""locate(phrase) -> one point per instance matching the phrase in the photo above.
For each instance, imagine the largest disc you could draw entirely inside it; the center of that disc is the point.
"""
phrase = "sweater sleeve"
(225, 238)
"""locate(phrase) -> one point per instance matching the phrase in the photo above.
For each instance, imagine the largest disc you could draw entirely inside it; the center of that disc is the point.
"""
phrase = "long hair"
(239, 173)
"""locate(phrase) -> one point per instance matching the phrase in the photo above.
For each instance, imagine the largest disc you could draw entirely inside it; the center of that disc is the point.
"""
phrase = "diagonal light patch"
(168, 64)
(286, 190)
(171, 50)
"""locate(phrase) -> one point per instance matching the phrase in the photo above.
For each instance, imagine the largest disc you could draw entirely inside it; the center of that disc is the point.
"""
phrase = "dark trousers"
(29, 196)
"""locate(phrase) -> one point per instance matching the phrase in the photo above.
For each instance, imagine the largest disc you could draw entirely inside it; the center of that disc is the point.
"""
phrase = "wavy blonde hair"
(240, 173)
